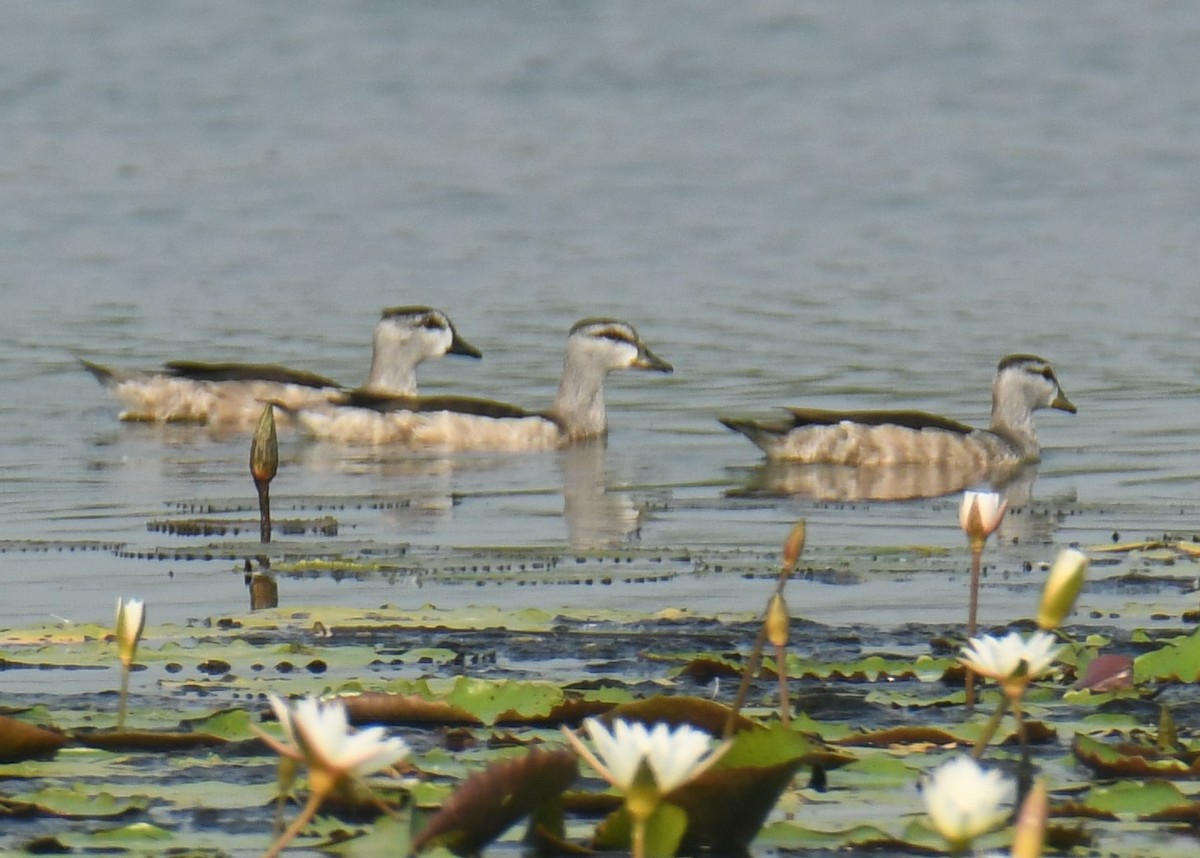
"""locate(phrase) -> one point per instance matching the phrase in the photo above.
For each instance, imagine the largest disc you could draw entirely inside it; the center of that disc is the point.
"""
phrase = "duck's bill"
(1063, 404)
(647, 359)
(459, 346)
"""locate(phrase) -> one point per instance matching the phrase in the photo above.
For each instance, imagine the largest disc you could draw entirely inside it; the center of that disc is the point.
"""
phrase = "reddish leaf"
(21, 741)
(1107, 673)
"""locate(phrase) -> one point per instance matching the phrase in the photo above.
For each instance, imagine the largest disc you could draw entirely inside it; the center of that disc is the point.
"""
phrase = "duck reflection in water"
(597, 515)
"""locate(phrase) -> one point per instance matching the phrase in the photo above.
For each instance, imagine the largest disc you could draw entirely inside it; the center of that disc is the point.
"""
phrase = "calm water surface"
(861, 205)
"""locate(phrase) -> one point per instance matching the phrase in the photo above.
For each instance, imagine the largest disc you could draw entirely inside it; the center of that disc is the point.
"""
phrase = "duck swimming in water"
(595, 347)
(232, 395)
(1023, 384)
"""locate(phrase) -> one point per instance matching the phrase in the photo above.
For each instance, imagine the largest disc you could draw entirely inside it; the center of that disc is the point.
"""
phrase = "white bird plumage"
(231, 395)
(1022, 385)
(595, 347)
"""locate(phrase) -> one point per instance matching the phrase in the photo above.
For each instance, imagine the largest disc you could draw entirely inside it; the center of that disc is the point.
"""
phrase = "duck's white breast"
(442, 430)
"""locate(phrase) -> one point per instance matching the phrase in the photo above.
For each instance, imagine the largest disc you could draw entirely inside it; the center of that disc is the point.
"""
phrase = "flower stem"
(972, 614)
(315, 799)
(989, 729)
(1025, 768)
(264, 509)
(123, 704)
(785, 707)
(639, 838)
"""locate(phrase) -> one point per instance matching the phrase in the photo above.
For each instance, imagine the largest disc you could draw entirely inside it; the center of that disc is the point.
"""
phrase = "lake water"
(833, 204)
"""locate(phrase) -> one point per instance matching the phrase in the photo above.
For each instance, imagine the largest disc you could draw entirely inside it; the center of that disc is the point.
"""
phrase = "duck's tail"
(762, 432)
(106, 375)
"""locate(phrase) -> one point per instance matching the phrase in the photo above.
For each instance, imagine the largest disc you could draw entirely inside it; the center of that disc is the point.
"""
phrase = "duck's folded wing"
(200, 371)
(917, 420)
(422, 404)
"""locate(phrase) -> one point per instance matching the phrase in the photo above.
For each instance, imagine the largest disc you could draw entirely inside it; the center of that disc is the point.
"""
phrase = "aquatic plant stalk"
(316, 797)
(972, 613)
(264, 464)
(979, 514)
(793, 547)
(776, 623)
(989, 729)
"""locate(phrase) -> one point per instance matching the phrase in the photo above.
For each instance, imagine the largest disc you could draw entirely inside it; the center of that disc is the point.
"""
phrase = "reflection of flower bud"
(793, 547)
(264, 448)
(777, 621)
(131, 619)
(1062, 587)
(980, 513)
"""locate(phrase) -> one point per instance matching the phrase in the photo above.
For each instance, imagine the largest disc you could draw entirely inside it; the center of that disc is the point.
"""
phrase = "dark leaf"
(21, 741)
(376, 707)
(488, 802)
(145, 740)
(705, 715)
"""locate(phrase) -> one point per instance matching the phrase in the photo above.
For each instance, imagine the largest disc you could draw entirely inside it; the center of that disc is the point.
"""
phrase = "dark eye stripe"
(615, 336)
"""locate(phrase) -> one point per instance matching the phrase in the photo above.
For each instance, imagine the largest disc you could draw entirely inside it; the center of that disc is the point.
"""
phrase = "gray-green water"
(827, 204)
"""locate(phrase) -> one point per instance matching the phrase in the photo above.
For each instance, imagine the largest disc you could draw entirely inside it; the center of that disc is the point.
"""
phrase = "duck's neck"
(1012, 419)
(393, 367)
(579, 404)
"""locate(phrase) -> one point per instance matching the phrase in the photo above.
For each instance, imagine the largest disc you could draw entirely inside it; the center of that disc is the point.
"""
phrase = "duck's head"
(1029, 380)
(612, 344)
(425, 330)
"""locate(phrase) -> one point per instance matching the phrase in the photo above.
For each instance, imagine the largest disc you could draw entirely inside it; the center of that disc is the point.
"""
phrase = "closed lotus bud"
(793, 547)
(1029, 834)
(264, 448)
(777, 621)
(131, 620)
(980, 513)
(1062, 588)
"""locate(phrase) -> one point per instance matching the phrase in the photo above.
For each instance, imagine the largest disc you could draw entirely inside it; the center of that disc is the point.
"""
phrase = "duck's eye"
(614, 336)
(1048, 374)
(432, 324)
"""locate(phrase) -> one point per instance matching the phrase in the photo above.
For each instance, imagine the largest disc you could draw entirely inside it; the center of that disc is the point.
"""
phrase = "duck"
(595, 347)
(1023, 384)
(232, 395)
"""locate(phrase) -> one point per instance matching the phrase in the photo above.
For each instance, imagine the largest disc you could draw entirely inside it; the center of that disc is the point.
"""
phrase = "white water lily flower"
(131, 620)
(673, 756)
(320, 735)
(1012, 661)
(980, 513)
(964, 801)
